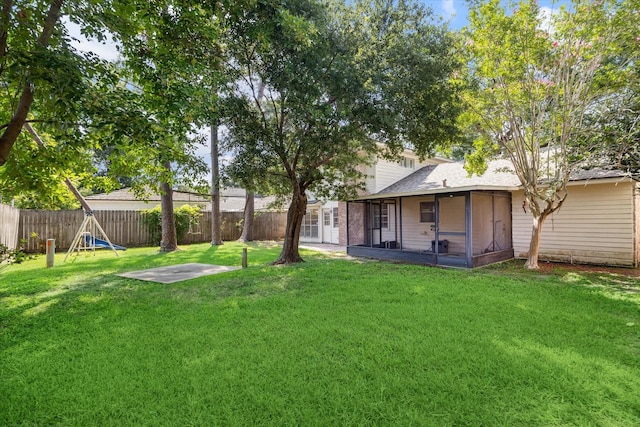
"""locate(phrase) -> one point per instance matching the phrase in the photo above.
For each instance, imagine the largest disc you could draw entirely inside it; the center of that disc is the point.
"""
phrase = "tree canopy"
(531, 82)
(323, 86)
(148, 103)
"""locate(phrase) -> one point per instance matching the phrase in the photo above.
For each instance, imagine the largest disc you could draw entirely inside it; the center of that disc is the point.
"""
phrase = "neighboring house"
(124, 199)
(439, 215)
(231, 200)
(325, 221)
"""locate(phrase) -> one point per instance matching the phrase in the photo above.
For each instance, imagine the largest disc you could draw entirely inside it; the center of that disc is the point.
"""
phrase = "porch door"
(326, 225)
(450, 244)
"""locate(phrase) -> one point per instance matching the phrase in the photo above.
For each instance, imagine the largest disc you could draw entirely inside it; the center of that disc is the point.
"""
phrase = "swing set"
(90, 235)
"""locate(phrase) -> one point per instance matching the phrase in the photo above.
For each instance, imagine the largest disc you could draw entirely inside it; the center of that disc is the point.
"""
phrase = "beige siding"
(416, 235)
(595, 226)
(387, 173)
(383, 173)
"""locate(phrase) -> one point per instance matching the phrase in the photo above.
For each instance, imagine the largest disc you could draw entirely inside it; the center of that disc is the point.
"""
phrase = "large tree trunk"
(169, 240)
(297, 209)
(216, 234)
(247, 224)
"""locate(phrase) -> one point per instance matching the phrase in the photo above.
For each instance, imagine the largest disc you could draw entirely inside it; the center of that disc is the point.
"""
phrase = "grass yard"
(328, 342)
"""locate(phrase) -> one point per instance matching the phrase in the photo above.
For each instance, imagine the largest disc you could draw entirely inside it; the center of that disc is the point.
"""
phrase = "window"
(406, 162)
(381, 216)
(309, 226)
(427, 211)
(326, 215)
(335, 217)
(384, 216)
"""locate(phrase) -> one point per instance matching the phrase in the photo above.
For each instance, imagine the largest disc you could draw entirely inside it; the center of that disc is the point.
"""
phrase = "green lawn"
(328, 342)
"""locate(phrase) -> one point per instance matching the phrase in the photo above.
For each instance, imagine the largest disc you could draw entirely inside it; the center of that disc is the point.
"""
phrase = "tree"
(615, 121)
(36, 44)
(338, 81)
(531, 84)
(65, 94)
(46, 83)
(249, 212)
(216, 232)
(171, 53)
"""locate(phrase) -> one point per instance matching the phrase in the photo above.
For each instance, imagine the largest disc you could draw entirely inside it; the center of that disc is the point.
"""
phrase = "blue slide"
(99, 243)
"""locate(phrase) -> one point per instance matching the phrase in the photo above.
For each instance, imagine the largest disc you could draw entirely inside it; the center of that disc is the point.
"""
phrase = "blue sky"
(456, 12)
(453, 11)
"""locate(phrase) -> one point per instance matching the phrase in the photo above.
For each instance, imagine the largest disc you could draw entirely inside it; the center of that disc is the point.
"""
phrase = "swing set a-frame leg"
(89, 221)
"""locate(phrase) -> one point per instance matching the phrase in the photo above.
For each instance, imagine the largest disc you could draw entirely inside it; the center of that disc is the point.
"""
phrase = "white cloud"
(547, 15)
(105, 50)
(449, 8)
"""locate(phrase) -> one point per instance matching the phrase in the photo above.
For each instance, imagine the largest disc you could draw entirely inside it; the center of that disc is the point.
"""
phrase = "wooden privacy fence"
(126, 228)
(9, 225)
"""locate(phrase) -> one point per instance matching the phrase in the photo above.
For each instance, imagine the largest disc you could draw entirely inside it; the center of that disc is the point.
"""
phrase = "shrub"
(185, 216)
(12, 256)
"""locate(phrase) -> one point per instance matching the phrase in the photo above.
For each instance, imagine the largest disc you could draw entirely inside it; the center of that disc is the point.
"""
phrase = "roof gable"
(447, 177)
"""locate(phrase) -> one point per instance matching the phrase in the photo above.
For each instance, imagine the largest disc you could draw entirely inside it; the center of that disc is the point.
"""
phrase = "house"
(439, 215)
(325, 221)
(231, 200)
(125, 199)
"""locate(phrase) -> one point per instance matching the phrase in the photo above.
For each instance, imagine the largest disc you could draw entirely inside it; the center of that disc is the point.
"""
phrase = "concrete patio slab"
(177, 273)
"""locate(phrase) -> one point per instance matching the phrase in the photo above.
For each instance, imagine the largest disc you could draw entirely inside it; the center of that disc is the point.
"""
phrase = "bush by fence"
(126, 228)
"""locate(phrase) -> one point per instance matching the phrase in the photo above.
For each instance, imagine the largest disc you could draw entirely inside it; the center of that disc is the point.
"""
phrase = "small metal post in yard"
(51, 251)
(244, 257)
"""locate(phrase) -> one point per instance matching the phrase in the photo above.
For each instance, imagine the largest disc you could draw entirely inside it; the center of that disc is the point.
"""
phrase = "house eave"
(437, 191)
(609, 180)
(441, 190)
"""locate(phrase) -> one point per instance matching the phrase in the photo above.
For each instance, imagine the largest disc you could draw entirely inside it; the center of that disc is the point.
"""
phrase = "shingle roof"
(453, 177)
(587, 174)
(448, 176)
(125, 194)
(232, 200)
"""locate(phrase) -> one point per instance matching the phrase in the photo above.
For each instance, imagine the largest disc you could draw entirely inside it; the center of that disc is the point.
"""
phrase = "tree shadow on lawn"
(560, 379)
(35, 290)
(611, 282)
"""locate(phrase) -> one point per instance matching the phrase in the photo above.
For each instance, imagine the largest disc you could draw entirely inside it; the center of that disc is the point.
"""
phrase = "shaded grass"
(327, 342)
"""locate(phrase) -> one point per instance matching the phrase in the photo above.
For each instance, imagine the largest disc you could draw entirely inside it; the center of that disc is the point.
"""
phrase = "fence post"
(51, 251)
(244, 257)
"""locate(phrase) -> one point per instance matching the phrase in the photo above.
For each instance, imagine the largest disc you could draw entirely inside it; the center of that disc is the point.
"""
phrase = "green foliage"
(330, 342)
(532, 79)
(12, 256)
(320, 86)
(134, 116)
(614, 122)
(530, 83)
(185, 217)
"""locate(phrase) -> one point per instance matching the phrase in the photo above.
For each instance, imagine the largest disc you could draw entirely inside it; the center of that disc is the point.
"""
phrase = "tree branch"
(4, 25)
(13, 129)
